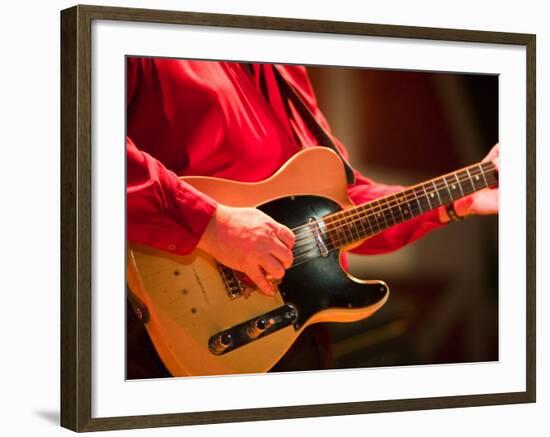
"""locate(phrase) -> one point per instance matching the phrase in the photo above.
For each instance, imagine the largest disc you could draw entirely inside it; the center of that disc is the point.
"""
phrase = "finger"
(493, 153)
(258, 276)
(272, 266)
(497, 164)
(285, 235)
(282, 253)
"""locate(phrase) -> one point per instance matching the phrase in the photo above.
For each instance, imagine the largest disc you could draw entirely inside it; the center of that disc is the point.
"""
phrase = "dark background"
(405, 127)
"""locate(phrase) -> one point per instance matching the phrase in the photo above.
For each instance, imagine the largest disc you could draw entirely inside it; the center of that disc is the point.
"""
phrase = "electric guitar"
(206, 319)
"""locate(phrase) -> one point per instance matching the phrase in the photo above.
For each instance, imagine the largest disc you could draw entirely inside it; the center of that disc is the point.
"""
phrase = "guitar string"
(308, 235)
(308, 239)
(304, 257)
(372, 228)
(392, 198)
(387, 200)
(486, 169)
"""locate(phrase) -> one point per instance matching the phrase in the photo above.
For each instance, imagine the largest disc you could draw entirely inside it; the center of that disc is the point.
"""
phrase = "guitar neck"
(364, 221)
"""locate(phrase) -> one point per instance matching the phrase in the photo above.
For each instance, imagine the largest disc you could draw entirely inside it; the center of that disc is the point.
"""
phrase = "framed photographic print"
(308, 218)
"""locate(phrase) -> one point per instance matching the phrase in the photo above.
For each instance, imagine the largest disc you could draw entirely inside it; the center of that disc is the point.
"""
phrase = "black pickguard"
(319, 283)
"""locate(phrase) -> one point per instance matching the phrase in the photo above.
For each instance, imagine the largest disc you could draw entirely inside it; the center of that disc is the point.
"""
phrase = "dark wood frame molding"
(76, 167)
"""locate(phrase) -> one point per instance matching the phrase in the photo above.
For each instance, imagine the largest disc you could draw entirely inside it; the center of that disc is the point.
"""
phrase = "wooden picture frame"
(76, 217)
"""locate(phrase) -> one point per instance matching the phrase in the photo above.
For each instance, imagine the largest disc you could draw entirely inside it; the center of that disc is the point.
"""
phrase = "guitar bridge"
(233, 283)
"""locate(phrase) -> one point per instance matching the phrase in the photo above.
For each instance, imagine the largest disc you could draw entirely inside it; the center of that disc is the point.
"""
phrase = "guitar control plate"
(252, 330)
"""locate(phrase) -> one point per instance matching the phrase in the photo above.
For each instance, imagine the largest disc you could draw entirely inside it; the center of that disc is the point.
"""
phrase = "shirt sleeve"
(162, 211)
(365, 189)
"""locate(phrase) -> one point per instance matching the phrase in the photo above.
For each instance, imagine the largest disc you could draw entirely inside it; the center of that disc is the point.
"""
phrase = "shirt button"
(172, 247)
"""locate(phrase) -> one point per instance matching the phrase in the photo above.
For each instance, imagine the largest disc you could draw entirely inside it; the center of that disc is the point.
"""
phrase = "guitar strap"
(318, 131)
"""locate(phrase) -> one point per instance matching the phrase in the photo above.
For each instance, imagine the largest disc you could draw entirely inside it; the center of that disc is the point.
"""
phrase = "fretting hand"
(483, 202)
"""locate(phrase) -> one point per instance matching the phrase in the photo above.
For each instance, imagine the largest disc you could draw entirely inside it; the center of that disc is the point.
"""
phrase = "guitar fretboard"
(355, 224)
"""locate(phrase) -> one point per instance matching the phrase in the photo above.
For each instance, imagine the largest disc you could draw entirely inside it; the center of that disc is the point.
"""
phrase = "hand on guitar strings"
(249, 241)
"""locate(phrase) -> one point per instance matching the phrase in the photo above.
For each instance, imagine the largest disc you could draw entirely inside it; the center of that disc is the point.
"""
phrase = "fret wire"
(391, 208)
(453, 186)
(437, 192)
(347, 233)
(448, 189)
(331, 232)
(459, 183)
(388, 215)
(408, 202)
(370, 227)
(440, 190)
(396, 206)
(351, 228)
(375, 211)
(427, 197)
(466, 187)
(401, 211)
(386, 209)
(399, 199)
(368, 219)
(483, 183)
(423, 198)
(336, 232)
(404, 205)
(483, 174)
(356, 230)
(471, 181)
(346, 228)
(341, 231)
(403, 198)
(491, 172)
(373, 216)
(417, 201)
(393, 203)
(343, 228)
(363, 230)
(379, 213)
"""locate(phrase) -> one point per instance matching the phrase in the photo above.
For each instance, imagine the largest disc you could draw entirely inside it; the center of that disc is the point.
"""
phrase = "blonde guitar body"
(190, 301)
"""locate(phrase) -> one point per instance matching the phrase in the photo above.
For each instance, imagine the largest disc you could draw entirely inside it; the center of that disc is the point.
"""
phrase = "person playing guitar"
(239, 122)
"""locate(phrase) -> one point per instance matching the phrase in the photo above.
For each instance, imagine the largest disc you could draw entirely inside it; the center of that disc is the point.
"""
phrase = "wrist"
(455, 211)
(208, 237)
(443, 216)
(462, 207)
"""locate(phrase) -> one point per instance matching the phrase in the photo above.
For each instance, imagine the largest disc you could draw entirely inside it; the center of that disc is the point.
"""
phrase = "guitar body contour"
(187, 299)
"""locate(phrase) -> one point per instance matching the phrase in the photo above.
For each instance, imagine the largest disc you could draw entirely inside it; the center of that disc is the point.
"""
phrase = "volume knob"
(258, 327)
(221, 342)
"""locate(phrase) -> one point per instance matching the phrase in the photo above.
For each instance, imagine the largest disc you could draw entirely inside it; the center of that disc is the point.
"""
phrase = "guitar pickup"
(316, 231)
(252, 330)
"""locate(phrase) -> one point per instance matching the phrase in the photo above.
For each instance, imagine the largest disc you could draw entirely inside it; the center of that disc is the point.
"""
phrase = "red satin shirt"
(219, 119)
